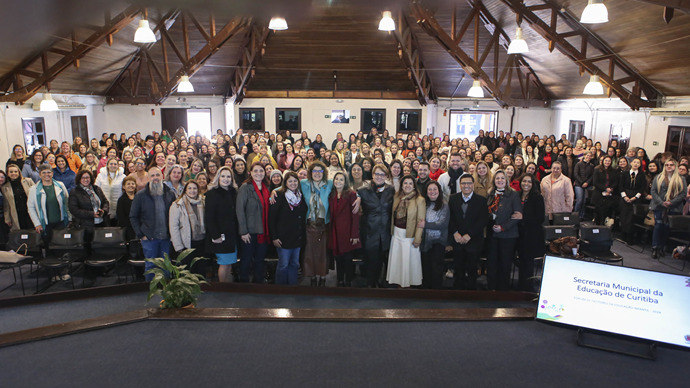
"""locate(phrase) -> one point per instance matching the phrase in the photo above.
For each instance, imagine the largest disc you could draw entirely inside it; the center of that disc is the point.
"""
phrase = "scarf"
(293, 198)
(196, 217)
(317, 208)
(95, 202)
(62, 199)
(497, 198)
(263, 198)
(401, 210)
(454, 176)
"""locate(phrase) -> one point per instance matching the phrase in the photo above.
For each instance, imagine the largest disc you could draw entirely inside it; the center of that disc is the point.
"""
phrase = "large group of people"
(398, 203)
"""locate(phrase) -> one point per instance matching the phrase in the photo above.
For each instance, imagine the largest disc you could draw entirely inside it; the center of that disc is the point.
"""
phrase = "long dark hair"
(347, 188)
(438, 203)
(535, 190)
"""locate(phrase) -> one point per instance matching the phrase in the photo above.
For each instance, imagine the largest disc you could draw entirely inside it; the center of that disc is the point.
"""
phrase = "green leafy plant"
(176, 284)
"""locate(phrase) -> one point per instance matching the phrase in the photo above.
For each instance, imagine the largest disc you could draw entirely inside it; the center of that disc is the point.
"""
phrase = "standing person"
(173, 179)
(531, 242)
(140, 174)
(584, 171)
(668, 191)
(110, 181)
(220, 217)
(4, 228)
(252, 217)
(287, 224)
(48, 203)
(377, 203)
(149, 217)
(187, 226)
(632, 186)
(557, 190)
(468, 218)
(18, 157)
(73, 160)
(435, 236)
(88, 205)
(344, 236)
(605, 181)
(124, 204)
(450, 180)
(505, 208)
(409, 212)
(62, 173)
(316, 189)
(16, 191)
(30, 169)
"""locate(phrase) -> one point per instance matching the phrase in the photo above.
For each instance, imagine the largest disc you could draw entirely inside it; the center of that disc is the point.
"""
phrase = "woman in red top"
(344, 229)
(435, 168)
(545, 161)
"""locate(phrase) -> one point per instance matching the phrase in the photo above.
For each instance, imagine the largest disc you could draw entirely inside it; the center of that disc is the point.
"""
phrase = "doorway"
(678, 141)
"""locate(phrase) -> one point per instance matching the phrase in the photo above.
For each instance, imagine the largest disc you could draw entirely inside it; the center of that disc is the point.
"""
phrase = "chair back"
(679, 223)
(596, 233)
(554, 232)
(640, 209)
(67, 238)
(30, 237)
(566, 219)
(108, 237)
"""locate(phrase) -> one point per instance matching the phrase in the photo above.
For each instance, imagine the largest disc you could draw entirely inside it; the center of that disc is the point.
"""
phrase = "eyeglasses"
(318, 171)
(380, 175)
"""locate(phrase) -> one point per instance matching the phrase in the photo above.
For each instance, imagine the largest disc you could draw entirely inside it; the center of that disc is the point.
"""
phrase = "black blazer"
(220, 217)
(509, 204)
(376, 216)
(472, 223)
(287, 225)
(81, 209)
(599, 182)
(531, 241)
(640, 186)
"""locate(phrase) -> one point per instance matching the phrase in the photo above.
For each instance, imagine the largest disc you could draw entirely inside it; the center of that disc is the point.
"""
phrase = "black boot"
(655, 253)
(322, 282)
(313, 282)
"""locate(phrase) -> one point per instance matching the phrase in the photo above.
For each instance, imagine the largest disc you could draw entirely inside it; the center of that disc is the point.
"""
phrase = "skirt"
(315, 260)
(404, 261)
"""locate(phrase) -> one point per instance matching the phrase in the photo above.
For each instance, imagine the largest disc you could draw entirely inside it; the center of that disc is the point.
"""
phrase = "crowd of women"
(398, 203)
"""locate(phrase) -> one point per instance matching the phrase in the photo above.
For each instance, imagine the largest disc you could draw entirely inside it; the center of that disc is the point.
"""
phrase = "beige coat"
(558, 195)
(11, 215)
(416, 211)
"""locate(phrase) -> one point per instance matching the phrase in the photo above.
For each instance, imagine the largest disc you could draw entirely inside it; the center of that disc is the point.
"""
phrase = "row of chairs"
(67, 247)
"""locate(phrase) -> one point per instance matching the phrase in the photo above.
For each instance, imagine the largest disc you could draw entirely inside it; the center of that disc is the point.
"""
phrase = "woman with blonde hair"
(483, 180)
(668, 191)
(187, 226)
(220, 219)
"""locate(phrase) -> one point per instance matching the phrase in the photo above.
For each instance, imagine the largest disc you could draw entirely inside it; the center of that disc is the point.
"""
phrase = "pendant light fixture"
(476, 90)
(185, 86)
(595, 12)
(144, 33)
(594, 87)
(48, 104)
(387, 23)
(518, 45)
(278, 23)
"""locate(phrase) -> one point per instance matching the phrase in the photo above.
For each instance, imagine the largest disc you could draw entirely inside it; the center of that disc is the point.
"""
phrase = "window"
(192, 120)
(252, 120)
(409, 120)
(34, 134)
(373, 118)
(576, 129)
(79, 128)
(467, 124)
(678, 141)
(288, 119)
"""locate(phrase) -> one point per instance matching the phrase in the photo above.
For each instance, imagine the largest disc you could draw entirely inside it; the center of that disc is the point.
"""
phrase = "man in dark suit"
(469, 216)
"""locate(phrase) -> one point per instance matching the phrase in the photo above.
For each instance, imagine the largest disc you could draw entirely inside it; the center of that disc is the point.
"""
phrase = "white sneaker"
(449, 274)
(55, 279)
(66, 277)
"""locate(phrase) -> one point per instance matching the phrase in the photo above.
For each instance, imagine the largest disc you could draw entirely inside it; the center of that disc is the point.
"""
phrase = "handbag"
(649, 219)
(11, 257)
(27, 237)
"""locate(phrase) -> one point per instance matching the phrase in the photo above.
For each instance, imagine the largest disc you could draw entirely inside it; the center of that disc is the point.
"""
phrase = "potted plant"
(174, 282)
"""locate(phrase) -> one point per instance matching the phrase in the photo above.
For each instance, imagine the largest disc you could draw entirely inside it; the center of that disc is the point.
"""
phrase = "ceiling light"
(518, 45)
(48, 104)
(594, 87)
(185, 86)
(595, 12)
(144, 33)
(476, 90)
(278, 23)
(387, 23)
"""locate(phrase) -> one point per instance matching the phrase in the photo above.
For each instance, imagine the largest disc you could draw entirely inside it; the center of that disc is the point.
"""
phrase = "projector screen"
(642, 304)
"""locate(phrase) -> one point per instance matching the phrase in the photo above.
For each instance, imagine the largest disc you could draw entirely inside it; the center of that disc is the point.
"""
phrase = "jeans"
(288, 266)
(580, 194)
(253, 253)
(661, 230)
(153, 249)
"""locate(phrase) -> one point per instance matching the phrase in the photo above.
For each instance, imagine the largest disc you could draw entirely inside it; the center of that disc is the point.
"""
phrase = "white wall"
(315, 110)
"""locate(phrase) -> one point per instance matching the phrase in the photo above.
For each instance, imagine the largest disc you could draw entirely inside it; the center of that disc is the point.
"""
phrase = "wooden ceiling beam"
(426, 20)
(683, 5)
(23, 93)
(251, 51)
(189, 67)
(409, 52)
(547, 31)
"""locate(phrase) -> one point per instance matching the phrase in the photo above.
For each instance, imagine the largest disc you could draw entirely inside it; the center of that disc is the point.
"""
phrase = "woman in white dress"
(405, 258)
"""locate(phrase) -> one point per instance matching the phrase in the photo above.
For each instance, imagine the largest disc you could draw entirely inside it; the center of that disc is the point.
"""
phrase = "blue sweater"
(66, 178)
(324, 193)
